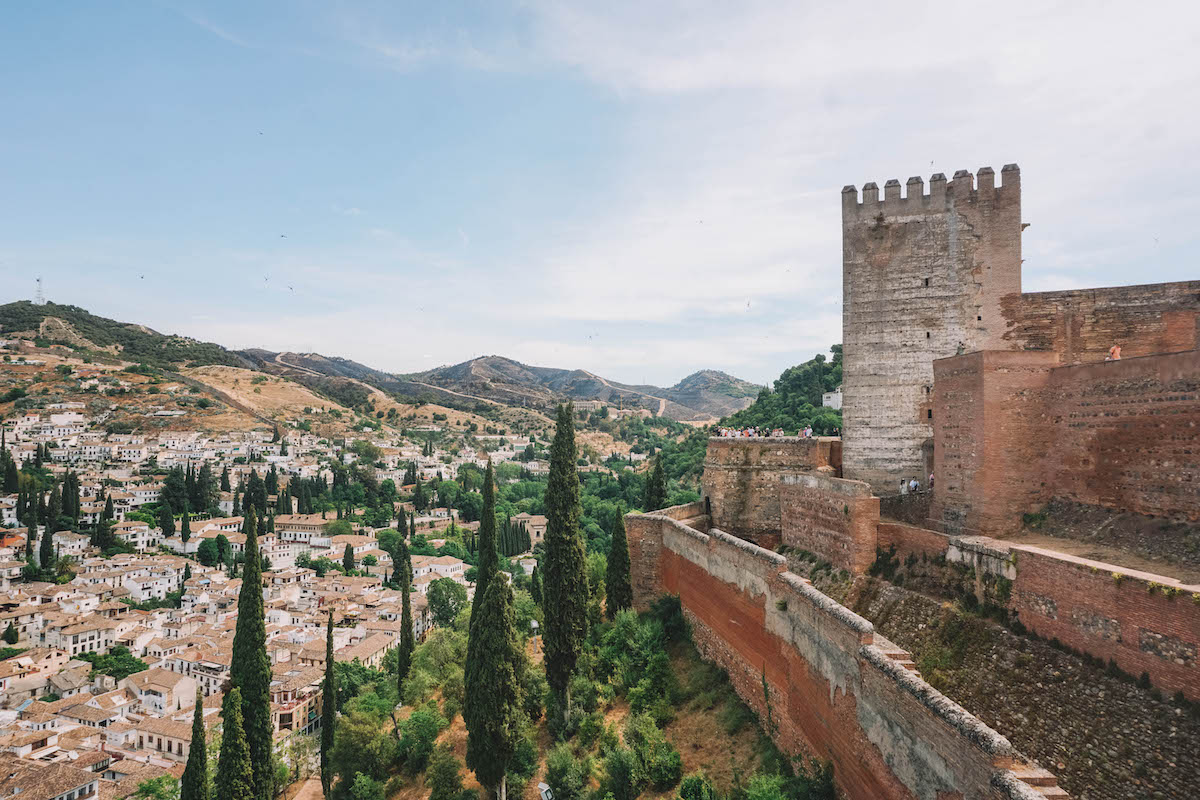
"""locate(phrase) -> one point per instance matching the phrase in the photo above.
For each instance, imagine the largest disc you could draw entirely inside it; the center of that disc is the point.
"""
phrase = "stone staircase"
(1042, 781)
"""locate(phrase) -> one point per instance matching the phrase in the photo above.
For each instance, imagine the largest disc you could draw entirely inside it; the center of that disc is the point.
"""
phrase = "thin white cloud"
(214, 29)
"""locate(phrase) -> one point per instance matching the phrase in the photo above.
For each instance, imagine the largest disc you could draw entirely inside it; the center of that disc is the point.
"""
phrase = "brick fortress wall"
(833, 689)
(1081, 325)
(741, 480)
(1143, 622)
(1012, 431)
(834, 518)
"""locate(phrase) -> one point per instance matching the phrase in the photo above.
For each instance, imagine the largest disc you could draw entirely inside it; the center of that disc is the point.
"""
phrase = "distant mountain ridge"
(703, 395)
(706, 395)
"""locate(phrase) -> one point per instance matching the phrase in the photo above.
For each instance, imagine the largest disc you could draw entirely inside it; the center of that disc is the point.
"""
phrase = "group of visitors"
(753, 430)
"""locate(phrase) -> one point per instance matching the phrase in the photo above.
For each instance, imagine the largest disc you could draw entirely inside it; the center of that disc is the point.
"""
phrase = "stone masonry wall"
(1144, 622)
(1013, 431)
(920, 275)
(1081, 325)
(741, 480)
(1126, 434)
(833, 518)
(833, 689)
(989, 440)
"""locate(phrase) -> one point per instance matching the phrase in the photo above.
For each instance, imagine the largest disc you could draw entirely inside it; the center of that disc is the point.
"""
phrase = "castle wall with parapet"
(817, 676)
(741, 480)
(1081, 325)
(922, 274)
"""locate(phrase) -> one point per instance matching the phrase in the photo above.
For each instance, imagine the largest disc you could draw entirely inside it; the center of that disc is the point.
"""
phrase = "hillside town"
(107, 640)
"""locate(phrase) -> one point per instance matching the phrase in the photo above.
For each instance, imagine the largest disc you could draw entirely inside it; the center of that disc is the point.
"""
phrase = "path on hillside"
(279, 360)
(458, 394)
(662, 403)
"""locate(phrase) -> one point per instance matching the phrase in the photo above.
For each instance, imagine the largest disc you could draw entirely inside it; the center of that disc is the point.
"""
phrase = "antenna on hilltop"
(38, 299)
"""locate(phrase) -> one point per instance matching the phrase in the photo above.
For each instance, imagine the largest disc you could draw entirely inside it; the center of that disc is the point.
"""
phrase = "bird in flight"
(283, 236)
(290, 289)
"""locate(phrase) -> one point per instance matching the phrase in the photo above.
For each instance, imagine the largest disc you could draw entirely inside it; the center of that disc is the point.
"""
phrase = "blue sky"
(640, 189)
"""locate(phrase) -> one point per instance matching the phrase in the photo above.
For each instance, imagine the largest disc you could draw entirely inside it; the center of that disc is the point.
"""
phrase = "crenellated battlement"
(943, 195)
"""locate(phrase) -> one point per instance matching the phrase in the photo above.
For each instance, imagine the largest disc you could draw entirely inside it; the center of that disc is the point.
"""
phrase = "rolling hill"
(471, 386)
(704, 395)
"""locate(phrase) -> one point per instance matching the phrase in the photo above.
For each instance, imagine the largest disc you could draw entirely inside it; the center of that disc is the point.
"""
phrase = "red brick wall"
(834, 518)
(989, 440)
(1081, 603)
(1126, 434)
(1081, 325)
(832, 691)
(911, 540)
(1012, 431)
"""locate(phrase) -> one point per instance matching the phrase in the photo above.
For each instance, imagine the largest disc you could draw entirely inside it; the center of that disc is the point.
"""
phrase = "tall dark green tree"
(492, 688)
(235, 771)
(488, 563)
(194, 783)
(328, 710)
(10, 634)
(46, 557)
(407, 641)
(348, 559)
(225, 485)
(54, 509)
(565, 581)
(535, 586)
(251, 668)
(185, 526)
(617, 587)
(656, 488)
(206, 489)
(166, 518)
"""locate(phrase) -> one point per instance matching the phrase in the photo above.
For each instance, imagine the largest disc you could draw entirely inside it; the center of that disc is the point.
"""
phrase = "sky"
(639, 189)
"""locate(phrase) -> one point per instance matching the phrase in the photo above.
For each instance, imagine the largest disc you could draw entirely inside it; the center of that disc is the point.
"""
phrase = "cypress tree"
(656, 488)
(488, 563)
(237, 504)
(617, 587)
(54, 510)
(412, 525)
(194, 783)
(185, 528)
(166, 518)
(407, 644)
(11, 478)
(235, 772)
(535, 586)
(328, 710)
(109, 511)
(348, 559)
(225, 485)
(187, 572)
(251, 668)
(46, 551)
(564, 584)
(492, 709)
(10, 634)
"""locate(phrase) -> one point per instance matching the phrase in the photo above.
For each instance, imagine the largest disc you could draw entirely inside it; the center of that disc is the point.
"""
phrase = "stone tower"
(922, 274)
